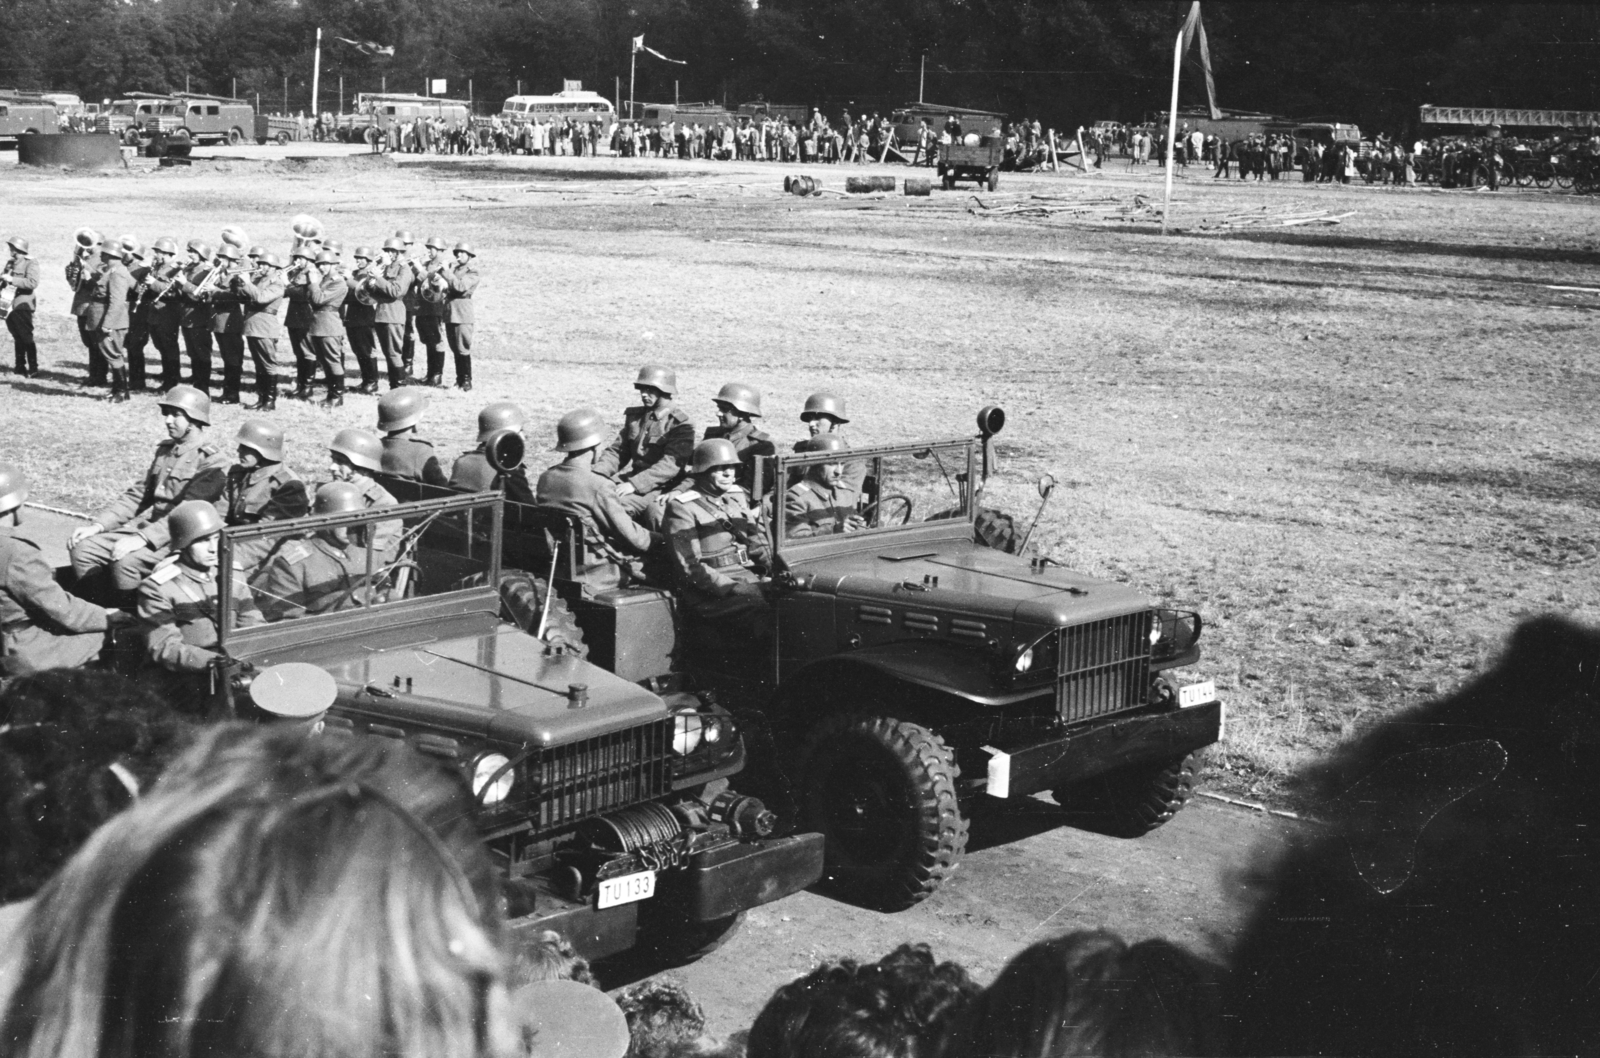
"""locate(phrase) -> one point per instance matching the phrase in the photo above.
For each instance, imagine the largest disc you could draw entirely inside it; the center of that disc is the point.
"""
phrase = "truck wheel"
(949, 181)
(882, 792)
(1132, 801)
(283, 139)
(130, 136)
(994, 179)
(235, 137)
(522, 603)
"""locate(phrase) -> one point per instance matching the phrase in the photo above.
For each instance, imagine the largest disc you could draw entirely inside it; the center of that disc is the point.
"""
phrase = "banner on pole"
(368, 47)
(1193, 27)
(639, 45)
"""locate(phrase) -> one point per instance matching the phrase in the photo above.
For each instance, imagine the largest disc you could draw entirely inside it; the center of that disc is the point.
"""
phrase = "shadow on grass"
(1542, 254)
(470, 170)
(1561, 480)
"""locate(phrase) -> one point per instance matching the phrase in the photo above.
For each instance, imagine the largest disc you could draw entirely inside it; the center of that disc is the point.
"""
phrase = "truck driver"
(820, 503)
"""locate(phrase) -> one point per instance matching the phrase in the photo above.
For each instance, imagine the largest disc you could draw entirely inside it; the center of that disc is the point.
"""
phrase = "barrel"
(70, 150)
(883, 183)
(918, 186)
(860, 185)
(803, 185)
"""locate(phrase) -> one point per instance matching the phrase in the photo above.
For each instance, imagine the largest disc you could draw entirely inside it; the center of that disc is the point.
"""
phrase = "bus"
(907, 120)
(578, 106)
(376, 111)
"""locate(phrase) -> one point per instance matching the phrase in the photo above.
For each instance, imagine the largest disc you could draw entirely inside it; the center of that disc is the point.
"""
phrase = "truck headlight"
(490, 785)
(686, 735)
(1037, 660)
(1024, 661)
(703, 732)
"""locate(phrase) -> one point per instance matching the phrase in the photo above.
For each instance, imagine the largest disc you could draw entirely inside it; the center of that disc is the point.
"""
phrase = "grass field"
(1363, 452)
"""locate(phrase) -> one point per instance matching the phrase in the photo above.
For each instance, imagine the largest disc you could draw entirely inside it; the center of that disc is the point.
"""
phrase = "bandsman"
(654, 446)
(408, 335)
(261, 295)
(356, 457)
(430, 310)
(738, 405)
(472, 471)
(136, 260)
(405, 455)
(718, 545)
(81, 271)
(298, 285)
(614, 544)
(321, 573)
(459, 315)
(106, 315)
(388, 289)
(326, 293)
(227, 321)
(19, 281)
(164, 309)
(360, 321)
(194, 317)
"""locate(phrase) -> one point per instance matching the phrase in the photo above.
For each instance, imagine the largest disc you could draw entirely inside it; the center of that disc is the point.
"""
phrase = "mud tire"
(1132, 802)
(522, 601)
(896, 782)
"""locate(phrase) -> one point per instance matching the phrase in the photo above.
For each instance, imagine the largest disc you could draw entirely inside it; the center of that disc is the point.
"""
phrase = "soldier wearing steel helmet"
(21, 277)
(164, 309)
(429, 312)
(326, 292)
(615, 544)
(195, 314)
(42, 626)
(81, 272)
(299, 284)
(321, 573)
(226, 319)
(261, 487)
(738, 405)
(261, 294)
(718, 544)
(180, 600)
(356, 457)
(821, 503)
(824, 413)
(130, 534)
(135, 257)
(360, 320)
(405, 455)
(472, 471)
(106, 315)
(459, 315)
(387, 287)
(653, 448)
(408, 335)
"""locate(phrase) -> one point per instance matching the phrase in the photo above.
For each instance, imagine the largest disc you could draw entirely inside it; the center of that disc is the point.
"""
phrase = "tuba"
(307, 230)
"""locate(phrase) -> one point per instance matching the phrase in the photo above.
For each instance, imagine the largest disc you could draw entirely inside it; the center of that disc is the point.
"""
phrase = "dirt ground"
(1362, 451)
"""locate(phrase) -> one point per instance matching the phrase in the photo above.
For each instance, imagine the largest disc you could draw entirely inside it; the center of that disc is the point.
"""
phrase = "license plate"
(1197, 694)
(627, 889)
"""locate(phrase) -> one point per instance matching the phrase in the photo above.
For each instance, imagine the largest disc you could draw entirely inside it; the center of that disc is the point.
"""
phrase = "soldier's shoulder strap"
(295, 552)
(208, 448)
(677, 416)
(421, 441)
(164, 570)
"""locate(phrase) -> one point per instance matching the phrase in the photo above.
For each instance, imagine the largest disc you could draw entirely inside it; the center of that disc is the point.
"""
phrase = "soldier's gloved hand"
(84, 532)
(128, 546)
(749, 589)
(625, 488)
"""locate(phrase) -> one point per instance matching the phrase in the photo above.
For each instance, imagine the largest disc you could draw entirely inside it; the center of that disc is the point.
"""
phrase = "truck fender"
(901, 672)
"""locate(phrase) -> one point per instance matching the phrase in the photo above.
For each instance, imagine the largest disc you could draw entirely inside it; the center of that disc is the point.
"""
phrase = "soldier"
(326, 294)
(459, 314)
(319, 574)
(21, 275)
(616, 542)
(472, 472)
(408, 335)
(41, 625)
(261, 488)
(179, 598)
(654, 445)
(718, 545)
(164, 310)
(388, 290)
(820, 503)
(136, 261)
(261, 295)
(405, 455)
(356, 456)
(130, 535)
(298, 285)
(430, 311)
(360, 322)
(823, 413)
(737, 404)
(195, 315)
(106, 314)
(81, 271)
(227, 322)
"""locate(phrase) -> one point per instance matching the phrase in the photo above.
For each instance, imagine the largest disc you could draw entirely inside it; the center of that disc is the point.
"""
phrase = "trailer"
(279, 129)
(978, 162)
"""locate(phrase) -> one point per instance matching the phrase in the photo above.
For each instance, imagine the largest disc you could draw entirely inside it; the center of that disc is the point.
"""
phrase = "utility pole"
(922, 77)
(1172, 128)
(633, 70)
(286, 94)
(341, 93)
(235, 94)
(185, 84)
(316, 74)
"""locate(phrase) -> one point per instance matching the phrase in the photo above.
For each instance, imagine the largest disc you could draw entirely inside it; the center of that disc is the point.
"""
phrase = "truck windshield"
(880, 489)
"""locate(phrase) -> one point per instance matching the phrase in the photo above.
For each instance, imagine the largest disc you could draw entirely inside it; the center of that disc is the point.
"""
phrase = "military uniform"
(23, 276)
(428, 315)
(410, 457)
(326, 296)
(106, 313)
(717, 543)
(42, 626)
(751, 444)
(615, 540)
(385, 535)
(261, 296)
(194, 320)
(459, 316)
(138, 325)
(227, 326)
(164, 316)
(310, 577)
(651, 452)
(179, 602)
(192, 469)
(297, 322)
(266, 493)
(811, 508)
(359, 324)
(80, 276)
(472, 473)
(388, 292)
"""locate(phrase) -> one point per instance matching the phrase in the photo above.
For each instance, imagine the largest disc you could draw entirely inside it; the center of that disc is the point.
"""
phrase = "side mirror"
(1047, 485)
(991, 420)
(505, 450)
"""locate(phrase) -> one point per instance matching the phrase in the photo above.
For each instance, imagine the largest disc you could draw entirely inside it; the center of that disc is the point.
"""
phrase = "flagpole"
(1172, 127)
(633, 66)
(316, 75)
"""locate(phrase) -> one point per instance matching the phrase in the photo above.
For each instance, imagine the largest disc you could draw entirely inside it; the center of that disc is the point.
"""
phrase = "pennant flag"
(639, 45)
(1192, 27)
(368, 47)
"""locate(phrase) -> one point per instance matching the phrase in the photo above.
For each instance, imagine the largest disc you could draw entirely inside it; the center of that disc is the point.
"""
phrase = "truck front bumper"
(1082, 753)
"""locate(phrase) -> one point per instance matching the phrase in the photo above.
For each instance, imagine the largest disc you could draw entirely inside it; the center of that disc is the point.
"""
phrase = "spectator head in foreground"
(1091, 994)
(664, 1020)
(1448, 905)
(550, 957)
(275, 894)
(898, 1007)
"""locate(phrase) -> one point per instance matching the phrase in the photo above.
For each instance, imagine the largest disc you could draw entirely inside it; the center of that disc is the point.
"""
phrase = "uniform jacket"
(385, 535)
(300, 312)
(265, 493)
(309, 577)
(652, 451)
(715, 541)
(107, 309)
(429, 301)
(138, 307)
(811, 508)
(227, 313)
(24, 280)
(458, 295)
(192, 469)
(80, 277)
(409, 456)
(35, 610)
(196, 313)
(607, 526)
(388, 291)
(167, 314)
(179, 602)
(751, 444)
(326, 295)
(262, 297)
(472, 473)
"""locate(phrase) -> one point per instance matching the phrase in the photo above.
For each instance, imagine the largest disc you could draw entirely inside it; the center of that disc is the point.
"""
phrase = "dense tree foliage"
(1067, 61)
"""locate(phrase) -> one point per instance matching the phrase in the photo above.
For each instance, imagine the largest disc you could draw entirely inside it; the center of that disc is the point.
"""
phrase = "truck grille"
(601, 774)
(1104, 667)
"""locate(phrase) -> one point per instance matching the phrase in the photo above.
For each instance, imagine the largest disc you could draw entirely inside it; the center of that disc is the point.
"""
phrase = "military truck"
(25, 114)
(607, 803)
(914, 671)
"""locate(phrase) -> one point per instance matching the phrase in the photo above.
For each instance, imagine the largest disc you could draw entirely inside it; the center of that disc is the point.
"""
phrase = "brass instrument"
(8, 291)
(358, 283)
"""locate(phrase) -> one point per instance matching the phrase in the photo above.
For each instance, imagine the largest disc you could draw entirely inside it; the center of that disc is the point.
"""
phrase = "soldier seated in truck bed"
(615, 545)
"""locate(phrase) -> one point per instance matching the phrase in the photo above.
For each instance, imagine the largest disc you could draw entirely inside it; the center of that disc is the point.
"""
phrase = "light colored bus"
(578, 106)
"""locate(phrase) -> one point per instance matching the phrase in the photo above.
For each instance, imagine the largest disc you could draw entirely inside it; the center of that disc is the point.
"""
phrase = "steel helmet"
(128, 243)
(201, 250)
(403, 237)
(713, 453)
(393, 243)
(501, 415)
(228, 252)
(133, 253)
(192, 402)
(825, 442)
(164, 245)
(327, 257)
(580, 430)
(111, 249)
(255, 252)
(361, 448)
(400, 408)
(263, 438)
(272, 260)
(338, 497)
(363, 253)
(18, 243)
(334, 246)
(436, 243)
(465, 247)
(192, 520)
(824, 403)
(742, 397)
(302, 250)
(13, 487)
(657, 377)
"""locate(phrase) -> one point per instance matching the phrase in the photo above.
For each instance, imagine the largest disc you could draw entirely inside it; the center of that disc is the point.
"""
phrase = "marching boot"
(435, 369)
(33, 359)
(135, 373)
(464, 373)
(22, 360)
(302, 381)
(119, 386)
(335, 397)
(266, 393)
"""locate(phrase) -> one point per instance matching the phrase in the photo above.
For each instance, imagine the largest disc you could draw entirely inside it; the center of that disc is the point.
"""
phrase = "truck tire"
(882, 792)
(1131, 802)
(522, 601)
(994, 178)
(235, 136)
(283, 139)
